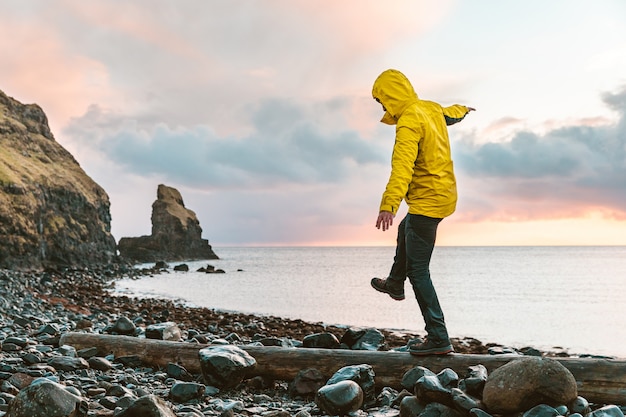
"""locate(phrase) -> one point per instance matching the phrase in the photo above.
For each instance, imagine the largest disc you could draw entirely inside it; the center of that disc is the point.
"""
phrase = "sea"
(564, 298)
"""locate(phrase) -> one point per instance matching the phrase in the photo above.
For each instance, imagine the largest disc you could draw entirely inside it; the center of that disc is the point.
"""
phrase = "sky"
(260, 112)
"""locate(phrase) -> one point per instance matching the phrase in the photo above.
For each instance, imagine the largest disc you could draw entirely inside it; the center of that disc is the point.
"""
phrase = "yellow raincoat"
(422, 172)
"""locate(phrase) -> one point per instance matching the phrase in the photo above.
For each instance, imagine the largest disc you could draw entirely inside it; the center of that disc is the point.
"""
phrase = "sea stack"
(52, 213)
(176, 233)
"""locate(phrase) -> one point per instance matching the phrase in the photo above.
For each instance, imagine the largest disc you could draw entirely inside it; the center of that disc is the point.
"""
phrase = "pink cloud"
(41, 70)
(589, 230)
(136, 22)
(504, 123)
(370, 25)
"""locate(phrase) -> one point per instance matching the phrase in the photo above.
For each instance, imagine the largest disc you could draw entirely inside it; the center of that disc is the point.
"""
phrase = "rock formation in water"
(51, 212)
(176, 233)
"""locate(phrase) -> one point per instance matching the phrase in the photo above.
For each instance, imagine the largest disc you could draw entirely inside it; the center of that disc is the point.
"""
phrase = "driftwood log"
(601, 381)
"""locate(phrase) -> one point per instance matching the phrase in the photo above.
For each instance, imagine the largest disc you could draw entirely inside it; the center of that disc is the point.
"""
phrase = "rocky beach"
(71, 347)
(37, 308)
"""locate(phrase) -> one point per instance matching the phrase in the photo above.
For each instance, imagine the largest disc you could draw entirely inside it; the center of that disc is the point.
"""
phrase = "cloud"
(38, 67)
(566, 172)
(212, 57)
(285, 146)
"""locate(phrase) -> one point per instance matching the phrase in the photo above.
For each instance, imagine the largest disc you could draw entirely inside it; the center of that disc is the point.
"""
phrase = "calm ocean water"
(545, 297)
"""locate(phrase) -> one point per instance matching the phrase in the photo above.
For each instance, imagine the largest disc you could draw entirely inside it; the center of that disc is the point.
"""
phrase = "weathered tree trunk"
(601, 381)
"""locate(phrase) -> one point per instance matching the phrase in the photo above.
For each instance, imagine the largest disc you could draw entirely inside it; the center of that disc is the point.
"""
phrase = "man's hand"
(385, 219)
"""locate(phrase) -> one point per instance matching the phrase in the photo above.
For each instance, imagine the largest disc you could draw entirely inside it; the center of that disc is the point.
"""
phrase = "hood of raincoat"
(394, 91)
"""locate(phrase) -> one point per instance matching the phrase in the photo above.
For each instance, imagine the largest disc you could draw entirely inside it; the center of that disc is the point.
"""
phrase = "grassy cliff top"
(29, 155)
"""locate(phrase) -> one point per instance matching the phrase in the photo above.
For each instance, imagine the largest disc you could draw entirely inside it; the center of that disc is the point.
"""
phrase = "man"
(422, 174)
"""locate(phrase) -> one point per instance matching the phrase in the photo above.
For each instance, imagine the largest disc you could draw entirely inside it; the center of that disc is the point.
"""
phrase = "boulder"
(541, 410)
(124, 326)
(176, 233)
(32, 358)
(526, 382)
(387, 397)
(117, 390)
(67, 350)
(306, 383)
(181, 392)
(464, 402)
(66, 363)
(164, 331)
(225, 366)
(321, 340)
(363, 339)
(275, 341)
(340, 398)
(147, 406)
(52, 213)
(20, 380)
(400, 397)
(178, 372)
(410, 407)
(112, 402)
(99, 363)
(8, 388)
(562, 410)
(411, 376)
(44, 398)
(429, 389)
(362, 375)
(580, 405)
(607, 411)
(474, 381)
(181, 268)
(87, 353)
(19, 341)
(351, 336)
(448, 378)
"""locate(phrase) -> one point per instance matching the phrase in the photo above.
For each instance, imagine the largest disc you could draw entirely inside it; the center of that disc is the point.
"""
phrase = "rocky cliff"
(51, 212)
(176, 233)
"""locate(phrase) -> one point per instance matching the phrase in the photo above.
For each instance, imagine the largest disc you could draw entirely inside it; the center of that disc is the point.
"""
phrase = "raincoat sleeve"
(454, 113)
(403, 160)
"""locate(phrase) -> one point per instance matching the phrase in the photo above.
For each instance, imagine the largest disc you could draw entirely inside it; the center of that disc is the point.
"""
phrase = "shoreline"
(481, 344)
(189, 316)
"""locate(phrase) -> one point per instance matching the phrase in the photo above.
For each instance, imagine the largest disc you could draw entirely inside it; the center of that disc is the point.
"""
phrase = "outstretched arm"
(456, 113)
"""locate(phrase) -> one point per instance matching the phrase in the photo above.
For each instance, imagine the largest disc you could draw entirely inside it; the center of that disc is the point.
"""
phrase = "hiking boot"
(383, 285)
(431, 347)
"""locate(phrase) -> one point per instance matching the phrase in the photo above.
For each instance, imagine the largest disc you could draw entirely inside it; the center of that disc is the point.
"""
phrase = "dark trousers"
(416, 241)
